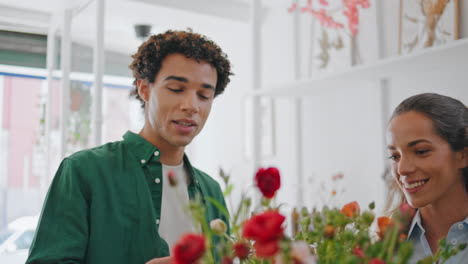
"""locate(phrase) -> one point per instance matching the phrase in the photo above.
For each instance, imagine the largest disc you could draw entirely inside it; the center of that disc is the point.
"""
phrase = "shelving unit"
(429, 60)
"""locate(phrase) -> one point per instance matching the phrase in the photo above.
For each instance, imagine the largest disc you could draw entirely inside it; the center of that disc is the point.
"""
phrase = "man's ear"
(143, 88)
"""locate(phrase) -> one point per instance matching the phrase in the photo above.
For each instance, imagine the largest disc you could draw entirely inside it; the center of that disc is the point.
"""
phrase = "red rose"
(357, 251)
(268, 181)
(351, 209)
(241, 250)
(264, 227)
(266, 249)
(189, 249)
(376, 261)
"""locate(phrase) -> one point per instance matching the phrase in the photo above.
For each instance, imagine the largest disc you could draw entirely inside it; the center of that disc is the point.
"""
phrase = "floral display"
(350, 9)
(328, 235)
(339, 27)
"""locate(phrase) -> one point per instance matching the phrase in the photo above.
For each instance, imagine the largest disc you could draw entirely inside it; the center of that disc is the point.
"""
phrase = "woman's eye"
(392, 157)
(422, 151)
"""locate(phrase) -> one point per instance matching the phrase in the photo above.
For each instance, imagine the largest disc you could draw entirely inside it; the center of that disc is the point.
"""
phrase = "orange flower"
(383, 223)
(329, 231)
(351, 209)
(402, 237)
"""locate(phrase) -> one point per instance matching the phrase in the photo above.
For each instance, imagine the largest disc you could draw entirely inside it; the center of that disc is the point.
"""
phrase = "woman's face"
(423, 164)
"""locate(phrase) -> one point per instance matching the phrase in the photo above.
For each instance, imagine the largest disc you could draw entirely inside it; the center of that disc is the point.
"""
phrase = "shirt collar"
(141, 148)
(416, 224)
(145, 151)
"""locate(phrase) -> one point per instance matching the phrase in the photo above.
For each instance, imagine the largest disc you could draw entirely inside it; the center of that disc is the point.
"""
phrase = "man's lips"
(185, 126)
(185, 122)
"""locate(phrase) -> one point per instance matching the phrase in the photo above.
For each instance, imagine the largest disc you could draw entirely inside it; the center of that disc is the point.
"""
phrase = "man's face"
(179, 101)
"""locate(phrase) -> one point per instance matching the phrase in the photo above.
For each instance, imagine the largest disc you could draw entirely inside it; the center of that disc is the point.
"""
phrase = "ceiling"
(35, 16)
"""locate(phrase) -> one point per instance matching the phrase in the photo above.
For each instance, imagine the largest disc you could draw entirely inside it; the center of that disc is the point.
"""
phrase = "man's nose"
(190, 103)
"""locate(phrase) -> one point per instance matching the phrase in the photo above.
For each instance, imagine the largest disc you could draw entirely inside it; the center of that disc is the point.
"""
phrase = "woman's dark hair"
(150, 55)
(449, 116)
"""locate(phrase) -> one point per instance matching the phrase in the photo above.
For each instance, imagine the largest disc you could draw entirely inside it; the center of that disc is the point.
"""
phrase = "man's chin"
(181, 142)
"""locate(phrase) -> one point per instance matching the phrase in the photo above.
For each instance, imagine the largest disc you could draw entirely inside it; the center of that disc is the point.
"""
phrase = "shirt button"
(156, 153)
(460, 226)
(454, 242)
(157, 180)
(142, 161)
(157, 221)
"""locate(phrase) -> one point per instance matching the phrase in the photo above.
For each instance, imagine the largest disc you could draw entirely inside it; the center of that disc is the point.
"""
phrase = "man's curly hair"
(150, 55)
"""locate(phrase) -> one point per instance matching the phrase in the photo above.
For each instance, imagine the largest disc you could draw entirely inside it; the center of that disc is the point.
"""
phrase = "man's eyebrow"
(185, 80)
(176, 78)
(208, 86)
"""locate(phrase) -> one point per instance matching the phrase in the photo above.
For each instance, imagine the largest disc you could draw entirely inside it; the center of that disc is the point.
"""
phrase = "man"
(113, 203)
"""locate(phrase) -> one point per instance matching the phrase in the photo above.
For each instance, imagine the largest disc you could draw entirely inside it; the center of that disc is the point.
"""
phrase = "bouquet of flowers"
(329, 235)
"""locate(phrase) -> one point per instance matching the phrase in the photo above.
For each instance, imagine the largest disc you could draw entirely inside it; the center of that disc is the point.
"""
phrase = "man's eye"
(175, 90)
(204, 97)
(392, 157)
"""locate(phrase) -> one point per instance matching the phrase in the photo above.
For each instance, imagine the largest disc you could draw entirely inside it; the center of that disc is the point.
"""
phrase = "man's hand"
(165, 260)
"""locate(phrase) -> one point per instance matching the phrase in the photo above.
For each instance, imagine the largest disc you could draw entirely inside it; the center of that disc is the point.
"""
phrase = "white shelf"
(443, 58)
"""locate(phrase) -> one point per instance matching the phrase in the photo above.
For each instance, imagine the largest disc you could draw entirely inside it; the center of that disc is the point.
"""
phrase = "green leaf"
(228, 190)
(220, 207)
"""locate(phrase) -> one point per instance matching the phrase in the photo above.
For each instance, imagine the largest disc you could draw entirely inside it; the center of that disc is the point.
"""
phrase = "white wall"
(343, 130)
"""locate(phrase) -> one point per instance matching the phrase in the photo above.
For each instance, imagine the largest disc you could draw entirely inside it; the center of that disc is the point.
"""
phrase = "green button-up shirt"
(104, 206)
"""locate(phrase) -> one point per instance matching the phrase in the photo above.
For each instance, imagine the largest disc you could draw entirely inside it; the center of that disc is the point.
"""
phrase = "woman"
(428, 149)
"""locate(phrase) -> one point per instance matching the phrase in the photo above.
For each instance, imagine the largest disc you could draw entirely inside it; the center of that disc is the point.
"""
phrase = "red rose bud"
(407, 211)
(241, 250)
(351, 209)
(357, 251)
(218, 227)
(227, 260)
(172, 178)
(264, 227)
(189, 249)
(268, 181)
(266, 249)
(376, 261)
